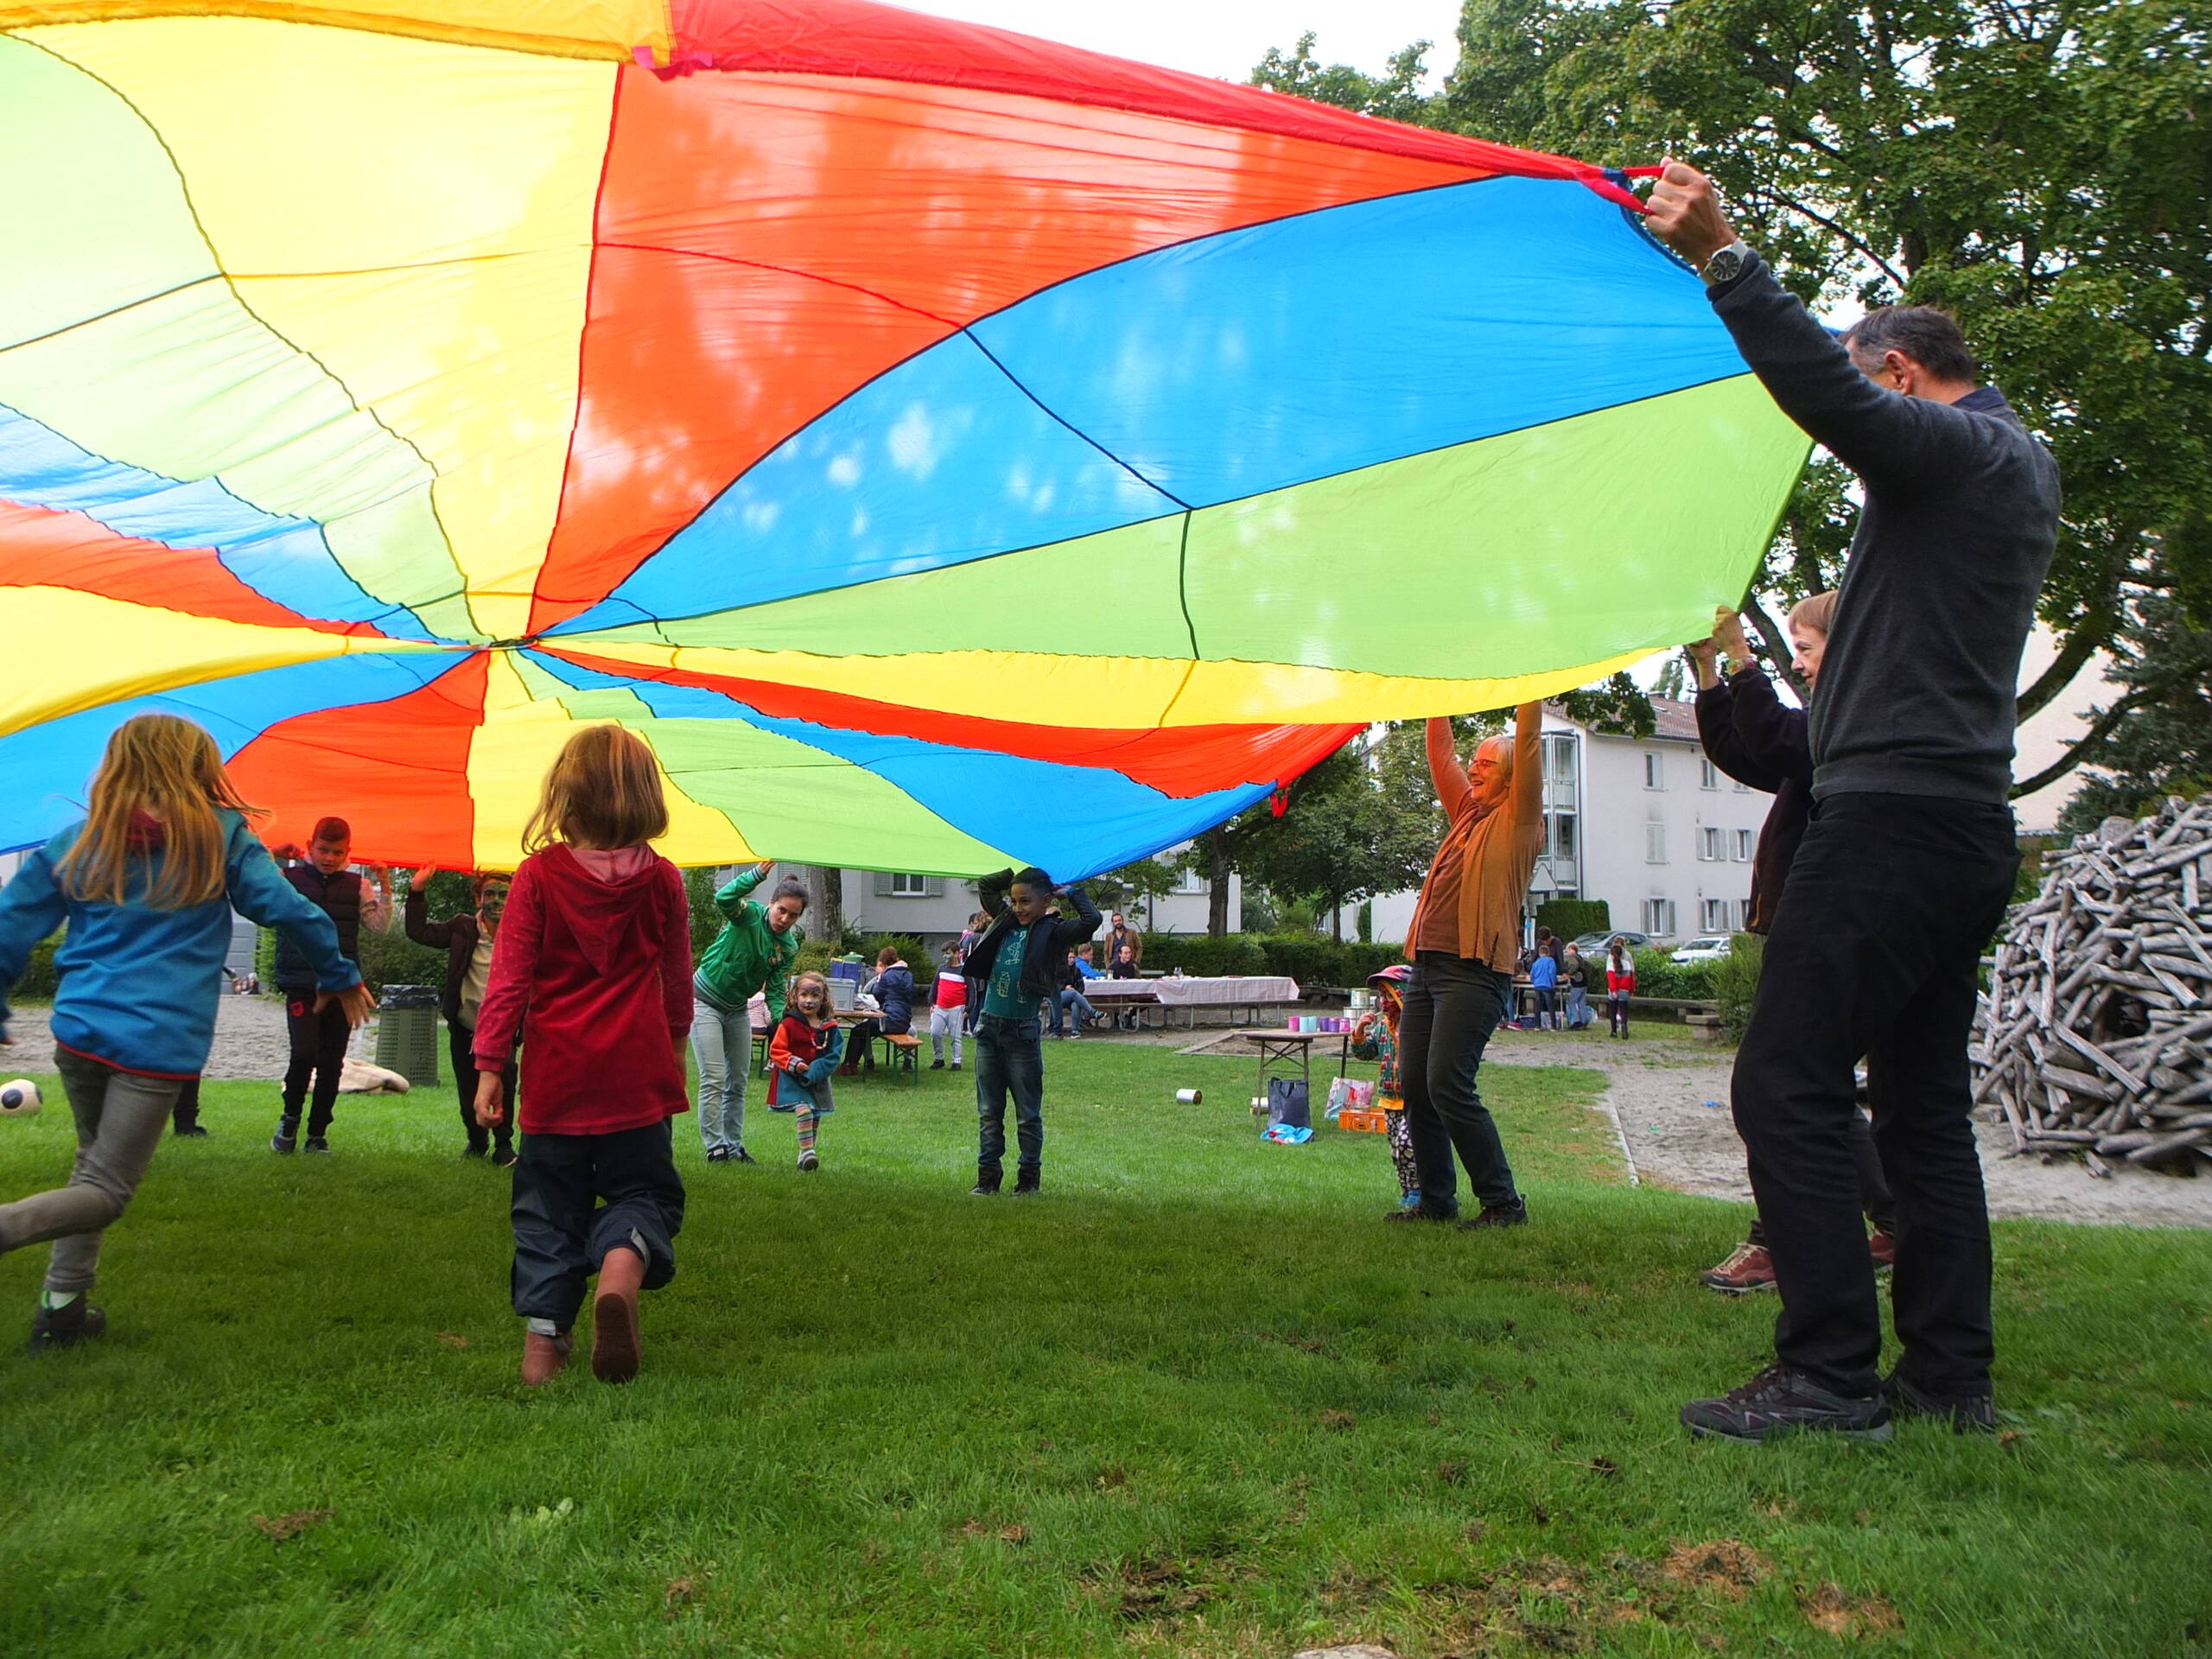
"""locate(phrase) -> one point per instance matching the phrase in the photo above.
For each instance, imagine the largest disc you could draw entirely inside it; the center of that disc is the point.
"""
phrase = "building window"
(1746, 841)
(1659, 918)
(1561, 841)
(1716, 915)
(1559, 771)
(1712, 845)
(1655, 775)
(1655, 845)
(1708, 775)
(902, 884)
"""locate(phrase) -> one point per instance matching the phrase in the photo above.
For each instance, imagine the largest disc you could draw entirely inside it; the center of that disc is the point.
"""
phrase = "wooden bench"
(902, 1046)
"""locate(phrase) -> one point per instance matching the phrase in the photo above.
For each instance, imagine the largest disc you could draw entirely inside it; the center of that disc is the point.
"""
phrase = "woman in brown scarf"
(1464, 940)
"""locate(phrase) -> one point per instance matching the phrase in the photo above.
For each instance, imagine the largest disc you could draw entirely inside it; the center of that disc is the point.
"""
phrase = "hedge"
(38, 980)
(1311, 959)
(1689, 982)
(1570, 918)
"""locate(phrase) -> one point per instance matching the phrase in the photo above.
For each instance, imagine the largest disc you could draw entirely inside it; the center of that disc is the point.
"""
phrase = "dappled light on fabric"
(946, 449)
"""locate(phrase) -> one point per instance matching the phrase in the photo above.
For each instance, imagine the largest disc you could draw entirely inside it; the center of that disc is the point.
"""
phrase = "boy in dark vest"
(318, 1039)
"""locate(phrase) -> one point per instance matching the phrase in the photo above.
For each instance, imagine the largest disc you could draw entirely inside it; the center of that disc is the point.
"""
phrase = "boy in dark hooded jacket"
(1017, 963)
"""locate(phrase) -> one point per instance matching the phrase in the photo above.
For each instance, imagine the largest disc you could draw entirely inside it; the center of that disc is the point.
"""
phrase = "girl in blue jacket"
(146, 884)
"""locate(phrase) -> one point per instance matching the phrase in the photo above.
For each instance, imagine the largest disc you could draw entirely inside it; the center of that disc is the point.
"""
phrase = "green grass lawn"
(1194, 1400)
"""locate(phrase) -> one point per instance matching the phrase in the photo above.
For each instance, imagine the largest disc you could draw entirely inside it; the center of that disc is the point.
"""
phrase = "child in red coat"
(1620, 985)
(802, 1054)
(595, 955)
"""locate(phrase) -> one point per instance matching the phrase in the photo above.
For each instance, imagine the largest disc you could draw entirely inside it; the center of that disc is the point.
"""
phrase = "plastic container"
(1363, 1123)
(407, 1032)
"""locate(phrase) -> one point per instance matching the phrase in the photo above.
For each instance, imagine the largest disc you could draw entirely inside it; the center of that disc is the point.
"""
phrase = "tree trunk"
(1337, 924)
(825, 903)
(1217, 894)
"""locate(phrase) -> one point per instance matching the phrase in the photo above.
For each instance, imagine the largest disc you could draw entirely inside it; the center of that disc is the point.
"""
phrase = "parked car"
(1598, 942)
(1711, 948)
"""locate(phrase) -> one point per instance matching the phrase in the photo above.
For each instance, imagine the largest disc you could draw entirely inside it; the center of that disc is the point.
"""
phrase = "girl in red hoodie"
(595, 956)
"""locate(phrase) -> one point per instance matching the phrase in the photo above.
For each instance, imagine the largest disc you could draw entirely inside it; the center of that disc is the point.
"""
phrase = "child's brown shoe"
(614, 1316)
(544, 1358)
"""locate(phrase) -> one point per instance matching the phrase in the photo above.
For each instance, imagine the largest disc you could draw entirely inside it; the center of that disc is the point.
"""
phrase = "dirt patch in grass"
(1720, 1564)
(1832, 1608)
(285, 1527)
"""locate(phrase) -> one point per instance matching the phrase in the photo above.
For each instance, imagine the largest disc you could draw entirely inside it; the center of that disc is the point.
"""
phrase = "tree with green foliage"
(1365, 823)
(2040, 167)
(2155, 738)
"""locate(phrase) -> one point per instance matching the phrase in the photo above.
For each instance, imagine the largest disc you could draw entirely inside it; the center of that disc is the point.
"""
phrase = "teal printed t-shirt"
(1002, 991)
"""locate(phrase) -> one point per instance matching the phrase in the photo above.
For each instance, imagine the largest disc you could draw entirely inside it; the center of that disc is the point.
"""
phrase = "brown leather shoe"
(544, 1358)
(1883, 1249)
(614, 1316)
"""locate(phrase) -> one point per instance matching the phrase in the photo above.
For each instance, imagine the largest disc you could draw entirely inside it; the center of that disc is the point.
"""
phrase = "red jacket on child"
(1617, 979)
(594, 974)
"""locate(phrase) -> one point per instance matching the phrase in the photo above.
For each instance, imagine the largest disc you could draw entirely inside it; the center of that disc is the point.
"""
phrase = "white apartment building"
(938, 908)
(1647, 824)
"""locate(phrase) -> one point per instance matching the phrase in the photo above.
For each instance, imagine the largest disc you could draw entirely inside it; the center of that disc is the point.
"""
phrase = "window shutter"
(933, 887)
(883, 884)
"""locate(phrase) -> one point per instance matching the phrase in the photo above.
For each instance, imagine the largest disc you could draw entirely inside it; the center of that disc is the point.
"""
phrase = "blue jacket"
(1543, 972)
(140, 986)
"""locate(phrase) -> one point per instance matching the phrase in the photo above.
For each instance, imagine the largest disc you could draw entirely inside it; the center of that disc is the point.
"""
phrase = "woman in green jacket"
(752, 953)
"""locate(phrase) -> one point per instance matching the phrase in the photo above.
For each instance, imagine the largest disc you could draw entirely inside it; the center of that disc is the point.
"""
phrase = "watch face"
(1723, 266)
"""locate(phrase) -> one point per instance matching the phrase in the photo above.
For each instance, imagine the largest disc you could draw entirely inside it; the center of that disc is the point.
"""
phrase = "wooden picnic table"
(1280, 1050)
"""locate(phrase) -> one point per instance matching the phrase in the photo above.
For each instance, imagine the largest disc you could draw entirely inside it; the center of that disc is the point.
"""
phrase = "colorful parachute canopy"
(946, 449)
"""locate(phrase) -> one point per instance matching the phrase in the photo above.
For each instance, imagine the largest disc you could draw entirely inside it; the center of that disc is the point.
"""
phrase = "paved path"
(249, 1040)
(1659, 1088)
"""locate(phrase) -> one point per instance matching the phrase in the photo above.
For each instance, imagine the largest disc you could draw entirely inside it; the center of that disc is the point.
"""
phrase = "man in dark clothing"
(467, 939)
(1017, 963)
(318, 1039)
(1909, 860)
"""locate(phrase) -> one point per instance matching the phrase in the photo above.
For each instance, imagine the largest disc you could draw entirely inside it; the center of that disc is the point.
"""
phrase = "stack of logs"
(2096, 1033)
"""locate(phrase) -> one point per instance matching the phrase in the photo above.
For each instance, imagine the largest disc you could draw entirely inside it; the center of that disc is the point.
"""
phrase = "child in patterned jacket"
(1375, 1037)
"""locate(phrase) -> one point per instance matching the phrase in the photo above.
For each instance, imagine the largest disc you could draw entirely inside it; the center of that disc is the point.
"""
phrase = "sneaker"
(1748, 1269)
(1514, 1214)
(1883, 1247)
(1026, 1182)
(316, 1143)
(718, 1154)
(986, 1184)
(65, 1327)
(808, 1161)
(1968, 1414)
(1422, 1212)
(1780, 1400)
(287, 1138)
(955, 1066)
(505, 1158)
(191, 1132)
(937, 1065)
(741, 1156)
(542, 1357)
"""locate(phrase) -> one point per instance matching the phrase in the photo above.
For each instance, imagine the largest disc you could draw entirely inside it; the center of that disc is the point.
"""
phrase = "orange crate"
(1365, 1123)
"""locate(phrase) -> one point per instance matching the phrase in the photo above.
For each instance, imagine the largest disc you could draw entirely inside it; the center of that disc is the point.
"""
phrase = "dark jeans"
(185, 1115)
(561, 1237)
(1874, 1188)
(318, 1049)
(459, 1041)
(1451, 1007)
(1009, 1060)
(1066, 1002)
(1875, 950)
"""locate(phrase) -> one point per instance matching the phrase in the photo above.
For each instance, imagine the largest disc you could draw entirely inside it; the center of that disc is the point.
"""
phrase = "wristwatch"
(1726, 265)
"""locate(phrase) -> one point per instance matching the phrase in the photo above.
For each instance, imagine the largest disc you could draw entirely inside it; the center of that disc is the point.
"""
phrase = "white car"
(1711, 948)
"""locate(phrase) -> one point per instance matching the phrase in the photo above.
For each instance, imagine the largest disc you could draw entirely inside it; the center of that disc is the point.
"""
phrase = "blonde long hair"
(170, 770)
(603, 790)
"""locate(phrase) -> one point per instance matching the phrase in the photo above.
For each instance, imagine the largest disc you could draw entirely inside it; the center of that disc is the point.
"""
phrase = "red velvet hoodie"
(593, 972)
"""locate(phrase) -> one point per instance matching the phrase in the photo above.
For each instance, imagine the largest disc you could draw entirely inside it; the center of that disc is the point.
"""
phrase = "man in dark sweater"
(1905, 869)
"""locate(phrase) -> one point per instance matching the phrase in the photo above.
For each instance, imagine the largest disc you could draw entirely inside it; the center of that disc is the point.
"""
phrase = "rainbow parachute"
(945, 447)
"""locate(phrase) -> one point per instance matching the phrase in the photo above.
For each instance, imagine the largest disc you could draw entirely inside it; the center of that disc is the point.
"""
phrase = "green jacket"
(747, 956)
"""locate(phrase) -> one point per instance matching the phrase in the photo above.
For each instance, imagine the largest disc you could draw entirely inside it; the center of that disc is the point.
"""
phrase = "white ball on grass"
(20, 1098)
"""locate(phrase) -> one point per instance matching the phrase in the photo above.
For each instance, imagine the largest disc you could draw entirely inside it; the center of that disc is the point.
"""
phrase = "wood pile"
(2095, 1036)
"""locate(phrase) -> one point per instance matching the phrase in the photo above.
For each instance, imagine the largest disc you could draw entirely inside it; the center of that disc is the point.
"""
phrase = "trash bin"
(407, 1032)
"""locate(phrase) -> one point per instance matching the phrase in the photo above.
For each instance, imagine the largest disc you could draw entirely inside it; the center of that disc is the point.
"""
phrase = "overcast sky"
(1226, 38)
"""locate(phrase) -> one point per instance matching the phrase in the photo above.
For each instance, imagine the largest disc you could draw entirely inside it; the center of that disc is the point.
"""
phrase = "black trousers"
(1452, 1005)
(1873, 1186)
(1875, 951)
(318, 1049)
(185, 1115)
(579, 1196)
(460, 1041)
